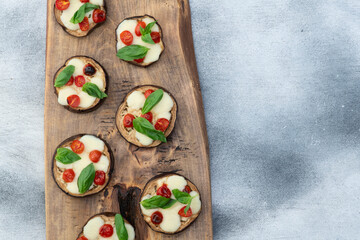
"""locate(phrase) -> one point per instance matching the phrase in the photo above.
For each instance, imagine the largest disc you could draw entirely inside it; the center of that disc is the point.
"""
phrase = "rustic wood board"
(187, 149)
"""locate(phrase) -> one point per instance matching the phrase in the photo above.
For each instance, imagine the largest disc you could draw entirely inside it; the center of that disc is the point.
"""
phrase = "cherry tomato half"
(148, 92)
(62, 4)
(183, 214)
(99, 177)
(84, 25)
(99, 16)
(156, 218)
(82, 238)
(70, 82)
(140, 60)
(73, 101)
(155, 36)
(106, 231)
(128, 120)
(84, 1)
(126, 37)
(95, 156)
(79, 81)
(137, 28)
(148, 116)
(89, 70)
(164, 191)
(162, 124)
(187, 189)
(68, 175)
(77, 147)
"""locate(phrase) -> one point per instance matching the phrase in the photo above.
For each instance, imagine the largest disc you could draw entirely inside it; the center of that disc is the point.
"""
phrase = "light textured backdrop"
(281, 88)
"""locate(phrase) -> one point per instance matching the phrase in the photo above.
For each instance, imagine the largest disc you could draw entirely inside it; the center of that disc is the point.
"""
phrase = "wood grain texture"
(187, 147)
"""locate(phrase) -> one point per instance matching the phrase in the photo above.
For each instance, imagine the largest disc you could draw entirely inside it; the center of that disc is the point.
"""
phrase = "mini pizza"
(170, 203)
(109, 226)
(82, 165)
(139, 40)
(80, 17)
(147, 116)
(80, 84)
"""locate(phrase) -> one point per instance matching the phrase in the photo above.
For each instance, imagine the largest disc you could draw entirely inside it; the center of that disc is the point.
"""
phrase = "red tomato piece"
(162, 124)
(99, 16)
(148, 116)
(62, 4)
(126, 37)
(182, 212)
(128, 120)
(77, 147)
(148, 92)
(79, 81)
(68, 175)
(84, 1)
(84, 25)
(99, 177)
(140, 60)
(95, 156)
(73, 101)
(155, 36)
(70, 82)
(187, 189)
(82, 238)
(164, 191)
(156, 218)
(89, 70)
(106, 231)
(137, 28)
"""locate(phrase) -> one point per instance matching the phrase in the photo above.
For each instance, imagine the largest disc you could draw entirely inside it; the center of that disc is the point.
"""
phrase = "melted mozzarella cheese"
(129, 25)
(171, 218)
(64, 93)
(166, 115)
(130, 230)
(195, 203)
(78, 64)
(143, 139)
(98, 82)
(92, 142)
(91, 229)
(176, 182)
(165, 104)
(136, 100)
(102, 164)
(74, 6)
(145, 211)
(86, 100)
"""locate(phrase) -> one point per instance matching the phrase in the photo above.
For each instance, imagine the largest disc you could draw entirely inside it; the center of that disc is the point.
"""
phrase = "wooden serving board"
(186, 150)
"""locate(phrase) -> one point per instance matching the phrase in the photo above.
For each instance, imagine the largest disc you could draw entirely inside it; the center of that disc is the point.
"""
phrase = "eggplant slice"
(57, 172)
(109, 218)
(138, 19)
(150, 189)
(98, 67)
(77, 33)
(129, 133)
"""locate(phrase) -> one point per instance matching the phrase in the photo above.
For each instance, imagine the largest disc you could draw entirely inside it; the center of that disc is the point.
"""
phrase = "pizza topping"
(79, 15)
(183, 214)
(80, 81)
(137, 29)
(148, 116)
(129, 53)
(120, 227)
(162, 124)
(146, 33)
(158, 202)
(82, 238)
(128, 120)
(187, 189)
(64, 76)
(155, 36)
(73, 101)
(156, 218)
(140, 60)
(62, 4)
(152, 100)
(95, 156)
(106, 231)
(84, 1)
(77, 147)
(86, 178)
(66, 156)
(68, 175)
(99, 16)
(164, 191)
(148, 92)
(93, 90)
(143, 126)
(100, 177)
(89, 70)
(126, 37)
(84, 25)
(70, 82)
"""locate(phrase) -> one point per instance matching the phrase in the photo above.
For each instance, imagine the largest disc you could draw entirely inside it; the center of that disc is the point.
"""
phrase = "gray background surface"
(280, 83)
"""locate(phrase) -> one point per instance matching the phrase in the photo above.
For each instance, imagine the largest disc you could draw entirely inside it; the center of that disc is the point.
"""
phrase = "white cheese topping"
(176, 182)
(143, 139)
(74, 6)
(64, 93)
(130, 230)
(171, 218)
(129, 25)
(195, 203)
(92, 142)
(165, 105)
(136, 100)
(91, 229)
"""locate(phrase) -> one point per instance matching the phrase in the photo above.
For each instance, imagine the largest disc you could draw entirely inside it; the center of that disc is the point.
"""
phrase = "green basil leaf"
(188, 206)
(129, 53)
(120, 227)
(86, 178)
(182, 197)
(147, 38)
(157, 202)
(142, 30)
(79, 15)
(64, 76)
(93, 90)
(148, 28)
(152, 100)
(66, 156)
(143, 126)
